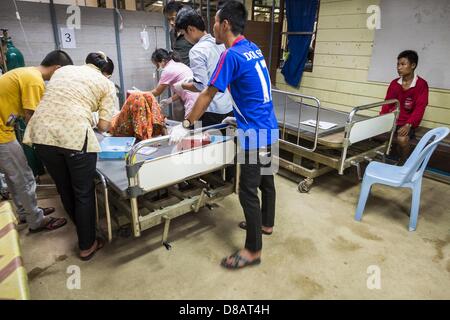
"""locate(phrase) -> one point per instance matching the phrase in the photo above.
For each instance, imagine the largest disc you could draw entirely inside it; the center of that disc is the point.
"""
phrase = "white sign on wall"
(68, 38)
(422, 26)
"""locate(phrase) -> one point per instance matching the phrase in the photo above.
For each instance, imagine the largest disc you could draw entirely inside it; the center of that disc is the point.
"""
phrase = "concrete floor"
(316, 252)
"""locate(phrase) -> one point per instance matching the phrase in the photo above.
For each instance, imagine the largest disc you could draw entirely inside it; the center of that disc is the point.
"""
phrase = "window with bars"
(262, 10)
(284, 50)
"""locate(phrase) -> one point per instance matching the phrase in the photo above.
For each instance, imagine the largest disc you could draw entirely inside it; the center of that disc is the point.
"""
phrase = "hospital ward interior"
(224, 150)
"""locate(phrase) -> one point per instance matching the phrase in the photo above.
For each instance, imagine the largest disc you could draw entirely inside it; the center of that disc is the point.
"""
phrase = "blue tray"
(116, 147)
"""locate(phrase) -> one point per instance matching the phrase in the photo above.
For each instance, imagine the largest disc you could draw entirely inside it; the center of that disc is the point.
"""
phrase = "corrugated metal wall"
(96, 33)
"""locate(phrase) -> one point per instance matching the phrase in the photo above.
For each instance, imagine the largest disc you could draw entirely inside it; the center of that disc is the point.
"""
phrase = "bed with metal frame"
(310, 151)
(143, 191)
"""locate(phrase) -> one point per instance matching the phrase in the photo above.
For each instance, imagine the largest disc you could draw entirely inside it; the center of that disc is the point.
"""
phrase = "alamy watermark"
(74, 280)
(74, 20)
(374, 280)
(374, 20)
(212, 148)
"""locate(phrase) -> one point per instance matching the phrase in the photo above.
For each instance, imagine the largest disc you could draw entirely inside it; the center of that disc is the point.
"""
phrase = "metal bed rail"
(316, 131)
(131, 159)
(141, 220)
(133, 166)
(371, 106)
(356, 129)
(351, 123)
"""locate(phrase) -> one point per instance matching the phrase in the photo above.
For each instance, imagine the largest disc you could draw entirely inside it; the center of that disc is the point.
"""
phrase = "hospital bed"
(311, 150)
(143, 191)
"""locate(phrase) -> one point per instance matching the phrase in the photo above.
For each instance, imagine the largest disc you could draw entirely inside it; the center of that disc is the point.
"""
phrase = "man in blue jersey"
(243, 71)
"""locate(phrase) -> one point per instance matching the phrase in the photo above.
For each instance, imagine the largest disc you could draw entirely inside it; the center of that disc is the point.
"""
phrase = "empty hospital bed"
(311, 150)
(143, 191)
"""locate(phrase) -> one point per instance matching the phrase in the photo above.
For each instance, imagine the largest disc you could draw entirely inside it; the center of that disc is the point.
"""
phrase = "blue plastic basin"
(116, 147)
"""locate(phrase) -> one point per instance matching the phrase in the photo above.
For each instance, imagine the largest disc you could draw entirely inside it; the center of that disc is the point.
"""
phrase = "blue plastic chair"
(407, 176)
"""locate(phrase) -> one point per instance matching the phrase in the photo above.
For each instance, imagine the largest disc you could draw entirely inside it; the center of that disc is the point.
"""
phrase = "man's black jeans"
(254, 175)
(74, 173)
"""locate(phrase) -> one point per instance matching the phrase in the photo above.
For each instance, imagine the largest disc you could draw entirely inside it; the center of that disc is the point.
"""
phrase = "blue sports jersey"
(242, 69)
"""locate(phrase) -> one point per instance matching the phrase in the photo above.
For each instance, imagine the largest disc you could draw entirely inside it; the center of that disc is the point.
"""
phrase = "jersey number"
(259, 66)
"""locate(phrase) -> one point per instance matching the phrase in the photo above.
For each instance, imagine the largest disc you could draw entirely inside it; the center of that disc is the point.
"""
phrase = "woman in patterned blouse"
(61, 131)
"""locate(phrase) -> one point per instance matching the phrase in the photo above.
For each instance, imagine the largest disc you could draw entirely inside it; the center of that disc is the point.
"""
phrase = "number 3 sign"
(68, 38)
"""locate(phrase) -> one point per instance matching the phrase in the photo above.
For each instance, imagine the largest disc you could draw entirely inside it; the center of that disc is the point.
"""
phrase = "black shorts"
(211, 118)
(412, 132)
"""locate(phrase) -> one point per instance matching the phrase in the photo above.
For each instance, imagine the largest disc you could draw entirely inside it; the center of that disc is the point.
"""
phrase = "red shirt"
(412, 101)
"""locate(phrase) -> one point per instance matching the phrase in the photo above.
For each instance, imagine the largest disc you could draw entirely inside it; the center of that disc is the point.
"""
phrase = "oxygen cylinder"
(14, 58)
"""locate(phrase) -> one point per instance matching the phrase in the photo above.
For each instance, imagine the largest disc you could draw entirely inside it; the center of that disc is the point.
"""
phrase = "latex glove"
(165, 102)
(177, 133)
(178, 86)
(229, 120)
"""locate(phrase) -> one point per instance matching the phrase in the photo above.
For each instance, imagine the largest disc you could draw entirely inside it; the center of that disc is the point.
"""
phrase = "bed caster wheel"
(167, 245)
(305, 185)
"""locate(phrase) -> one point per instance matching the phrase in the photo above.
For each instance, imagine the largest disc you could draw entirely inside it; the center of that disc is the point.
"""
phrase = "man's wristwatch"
(186, 124)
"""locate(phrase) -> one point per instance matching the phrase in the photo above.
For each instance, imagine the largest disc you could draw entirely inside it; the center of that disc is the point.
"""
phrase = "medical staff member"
(412, 93)
(62, 134)
(203, 58)
(21, 90)
(172, 72)
(242, 68)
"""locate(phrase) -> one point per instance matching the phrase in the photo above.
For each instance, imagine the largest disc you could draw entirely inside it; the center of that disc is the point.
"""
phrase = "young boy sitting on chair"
(412, 93)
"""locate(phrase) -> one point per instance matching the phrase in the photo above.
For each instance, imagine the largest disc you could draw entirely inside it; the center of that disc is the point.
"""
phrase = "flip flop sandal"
(46, 211)
(52, 224)
(239, 262)
(243, 225)
(100, 244)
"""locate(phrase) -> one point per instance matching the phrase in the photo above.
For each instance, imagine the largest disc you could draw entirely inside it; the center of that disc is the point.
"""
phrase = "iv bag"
(145, 40)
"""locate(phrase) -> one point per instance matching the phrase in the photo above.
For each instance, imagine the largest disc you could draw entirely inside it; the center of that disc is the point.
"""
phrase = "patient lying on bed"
(140, 117)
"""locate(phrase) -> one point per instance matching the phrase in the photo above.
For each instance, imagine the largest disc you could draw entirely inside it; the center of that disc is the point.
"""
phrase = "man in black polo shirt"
(178, 43)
